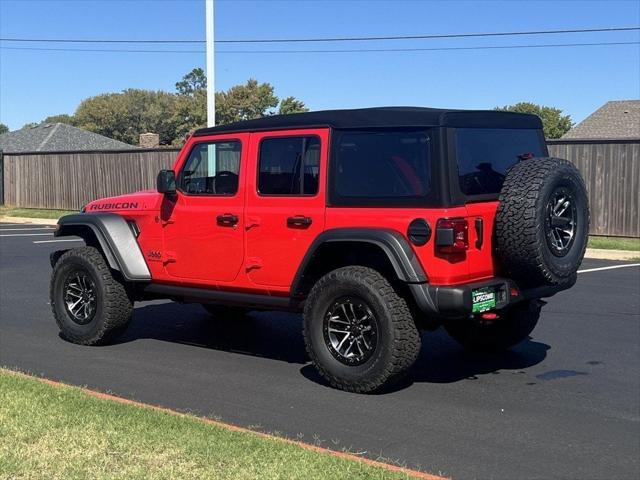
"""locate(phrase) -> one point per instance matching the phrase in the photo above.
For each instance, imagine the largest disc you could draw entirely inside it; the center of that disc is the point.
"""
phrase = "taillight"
(452, 235)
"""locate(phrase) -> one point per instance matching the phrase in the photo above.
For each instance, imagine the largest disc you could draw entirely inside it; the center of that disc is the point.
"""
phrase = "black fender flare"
(116, 239)
(396, 247)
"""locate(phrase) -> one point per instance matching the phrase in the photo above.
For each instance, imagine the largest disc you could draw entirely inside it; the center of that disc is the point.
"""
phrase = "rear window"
(484, 155)
(381, 167)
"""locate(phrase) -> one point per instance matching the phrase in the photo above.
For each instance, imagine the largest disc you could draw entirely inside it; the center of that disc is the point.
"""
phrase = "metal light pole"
(211, 91)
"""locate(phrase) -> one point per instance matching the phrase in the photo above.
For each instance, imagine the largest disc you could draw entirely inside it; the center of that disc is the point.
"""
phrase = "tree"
(62, 118)
(3, 128)
(192, 82)
(30, 125)
(554, 123)
(240, 102)
(291, 105)
(124, 116)
(244, 102)
(190, 113)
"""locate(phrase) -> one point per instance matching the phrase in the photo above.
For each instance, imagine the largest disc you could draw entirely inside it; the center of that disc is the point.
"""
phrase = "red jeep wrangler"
(375, 223)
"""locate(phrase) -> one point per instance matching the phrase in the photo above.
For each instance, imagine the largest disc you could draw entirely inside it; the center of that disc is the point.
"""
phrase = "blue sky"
(35, 84)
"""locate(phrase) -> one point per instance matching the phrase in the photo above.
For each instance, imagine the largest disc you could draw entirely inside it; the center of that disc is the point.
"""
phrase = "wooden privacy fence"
(611, 171)
(68, 180)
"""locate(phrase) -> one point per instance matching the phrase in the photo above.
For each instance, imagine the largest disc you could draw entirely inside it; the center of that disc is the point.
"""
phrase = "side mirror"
(166, 182)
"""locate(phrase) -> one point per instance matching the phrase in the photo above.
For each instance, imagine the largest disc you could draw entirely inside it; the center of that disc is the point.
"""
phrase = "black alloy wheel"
(80, 296)
(561, 224)
(350, 330)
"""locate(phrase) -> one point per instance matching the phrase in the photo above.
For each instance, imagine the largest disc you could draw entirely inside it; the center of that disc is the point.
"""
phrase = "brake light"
(452, 235)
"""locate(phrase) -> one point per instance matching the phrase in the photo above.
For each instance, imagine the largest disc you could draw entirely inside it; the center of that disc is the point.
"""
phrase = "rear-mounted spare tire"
(542, 223)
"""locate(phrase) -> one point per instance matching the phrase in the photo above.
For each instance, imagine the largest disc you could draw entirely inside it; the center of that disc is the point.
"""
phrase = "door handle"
(227, 220)
(299, 221)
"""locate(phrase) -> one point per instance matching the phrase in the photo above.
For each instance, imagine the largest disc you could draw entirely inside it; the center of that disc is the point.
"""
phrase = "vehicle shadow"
(442, 360)
(278, 336)
(274, 335)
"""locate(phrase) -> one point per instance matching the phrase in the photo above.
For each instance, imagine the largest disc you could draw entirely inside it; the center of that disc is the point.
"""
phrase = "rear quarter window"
(484, 155)
(381, 168)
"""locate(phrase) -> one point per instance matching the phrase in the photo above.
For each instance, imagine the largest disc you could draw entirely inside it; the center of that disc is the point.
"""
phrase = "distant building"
(618, 119)
(57, 137)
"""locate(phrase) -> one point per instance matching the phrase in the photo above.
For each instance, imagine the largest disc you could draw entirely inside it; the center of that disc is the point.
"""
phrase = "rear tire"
(90, 305)
(498, 335)
(381, 340)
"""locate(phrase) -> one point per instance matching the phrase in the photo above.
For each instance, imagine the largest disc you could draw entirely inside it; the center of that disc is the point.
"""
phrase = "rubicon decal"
(114, 206)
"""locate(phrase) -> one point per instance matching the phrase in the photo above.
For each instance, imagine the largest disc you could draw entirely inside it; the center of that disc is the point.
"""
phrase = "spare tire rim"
(80, 297)
(350, 330)
(561, 222)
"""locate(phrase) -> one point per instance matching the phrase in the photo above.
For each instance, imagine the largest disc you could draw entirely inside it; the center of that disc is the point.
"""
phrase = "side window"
(211, 169)
(289, 166)
(382, 166)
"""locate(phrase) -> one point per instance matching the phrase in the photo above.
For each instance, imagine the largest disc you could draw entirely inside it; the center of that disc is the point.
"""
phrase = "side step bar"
(203, 295)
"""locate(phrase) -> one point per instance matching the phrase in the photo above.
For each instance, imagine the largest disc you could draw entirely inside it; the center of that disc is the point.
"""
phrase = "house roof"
(616, 119)
(383, 117)
(57, 137)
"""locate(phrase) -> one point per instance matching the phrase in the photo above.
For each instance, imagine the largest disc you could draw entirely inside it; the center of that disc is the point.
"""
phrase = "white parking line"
(24, 229)
(27, 234)
(609, 268)
(61, 240)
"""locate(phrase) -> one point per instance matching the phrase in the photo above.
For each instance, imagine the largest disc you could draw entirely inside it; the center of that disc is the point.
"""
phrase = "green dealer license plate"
(483, 299)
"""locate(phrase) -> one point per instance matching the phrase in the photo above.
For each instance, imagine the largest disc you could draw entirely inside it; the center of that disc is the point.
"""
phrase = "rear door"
(285, 204)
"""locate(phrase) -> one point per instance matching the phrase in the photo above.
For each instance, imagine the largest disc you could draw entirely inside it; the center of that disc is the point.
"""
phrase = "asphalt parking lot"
(565, 404)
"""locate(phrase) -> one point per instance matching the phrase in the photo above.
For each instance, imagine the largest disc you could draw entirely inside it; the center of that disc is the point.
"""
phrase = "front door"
(285, 202)
(202, 224)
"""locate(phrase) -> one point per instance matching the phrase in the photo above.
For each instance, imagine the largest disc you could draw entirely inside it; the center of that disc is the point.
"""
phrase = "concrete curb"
(32, 221)
(605, 254)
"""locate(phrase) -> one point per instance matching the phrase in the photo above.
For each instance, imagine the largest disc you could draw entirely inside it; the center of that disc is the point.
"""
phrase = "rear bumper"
(455, 301)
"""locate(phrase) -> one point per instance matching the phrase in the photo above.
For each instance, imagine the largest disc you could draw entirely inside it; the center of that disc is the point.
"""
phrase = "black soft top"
(381, 117)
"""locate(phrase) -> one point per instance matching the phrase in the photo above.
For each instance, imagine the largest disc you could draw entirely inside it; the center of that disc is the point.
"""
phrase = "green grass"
(615, 243)
(62, 433)
(33, 212)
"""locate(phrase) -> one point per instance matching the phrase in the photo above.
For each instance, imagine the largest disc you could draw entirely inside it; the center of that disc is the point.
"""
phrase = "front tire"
(90, 305)
(358, 331)
(511, 328)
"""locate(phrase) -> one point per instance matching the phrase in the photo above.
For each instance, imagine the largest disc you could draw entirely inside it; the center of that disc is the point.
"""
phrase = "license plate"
(483, 299)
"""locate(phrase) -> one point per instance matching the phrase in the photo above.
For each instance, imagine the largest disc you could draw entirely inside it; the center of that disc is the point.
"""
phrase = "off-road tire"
(114, 306)
(224, 312)
(398, 342)
(513, 327)
(521, 243)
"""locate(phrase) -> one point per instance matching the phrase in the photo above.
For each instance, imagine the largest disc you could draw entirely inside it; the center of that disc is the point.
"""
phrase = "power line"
(364, 50)
(330, 39)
